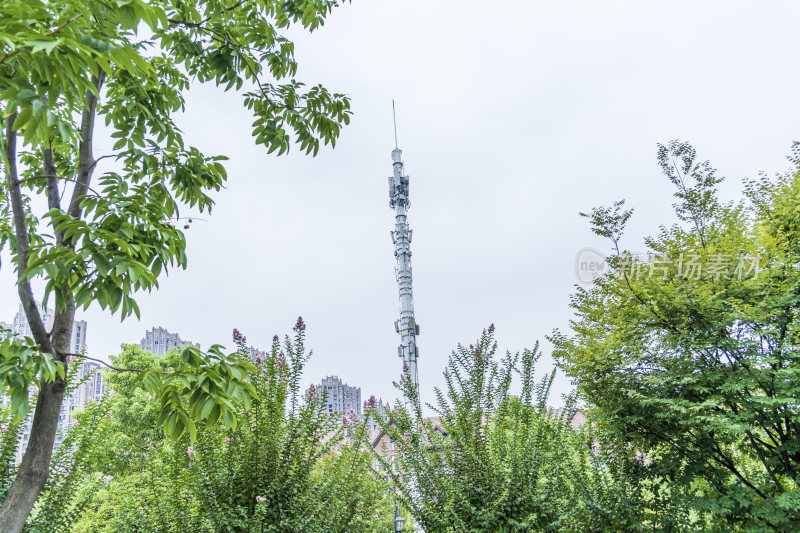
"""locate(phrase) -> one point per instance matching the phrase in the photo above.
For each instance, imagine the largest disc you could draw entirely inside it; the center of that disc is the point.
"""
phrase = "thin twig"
(102, 157)
(48, 34)
(198, 24)
(104, 363)
(43, 176)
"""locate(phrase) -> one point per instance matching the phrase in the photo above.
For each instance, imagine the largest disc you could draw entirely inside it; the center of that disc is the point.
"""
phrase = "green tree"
(691, 352)
(63, 65)
(497, 461)
(286, 466)
(58, 505)
(115, 466)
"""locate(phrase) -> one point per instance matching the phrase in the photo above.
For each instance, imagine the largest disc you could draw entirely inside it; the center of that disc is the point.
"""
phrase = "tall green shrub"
(500, 460)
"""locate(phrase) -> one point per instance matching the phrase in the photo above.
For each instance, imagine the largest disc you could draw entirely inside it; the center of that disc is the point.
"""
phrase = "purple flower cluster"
(281, 361)
(300, 326)
(311, 394)
(370, 403)
(350, 419)
(238, 338)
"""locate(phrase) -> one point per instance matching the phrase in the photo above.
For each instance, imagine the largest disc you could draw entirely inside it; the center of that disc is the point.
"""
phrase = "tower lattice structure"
(406, 325)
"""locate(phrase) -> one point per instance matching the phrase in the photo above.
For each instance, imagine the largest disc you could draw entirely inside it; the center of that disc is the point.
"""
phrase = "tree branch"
(55, 177)
(199, 24)
(49, 167)
(104, 363)
(23, 241)
(86, 160)
(138, 370)
(47, 34)
(53, 198)
(764, 462)
(647, 304)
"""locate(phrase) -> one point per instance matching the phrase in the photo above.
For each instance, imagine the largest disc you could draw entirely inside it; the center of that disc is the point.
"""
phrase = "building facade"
(382, 410)
(88, 384)
(340, 397)
(386, 452)
(77, 342)
(89, 387)
(159, 341)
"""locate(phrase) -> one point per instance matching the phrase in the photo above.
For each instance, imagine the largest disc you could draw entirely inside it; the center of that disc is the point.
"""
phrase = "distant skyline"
(513, 118)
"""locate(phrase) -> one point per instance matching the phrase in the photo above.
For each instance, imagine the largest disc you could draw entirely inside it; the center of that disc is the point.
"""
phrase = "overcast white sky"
(512, 117)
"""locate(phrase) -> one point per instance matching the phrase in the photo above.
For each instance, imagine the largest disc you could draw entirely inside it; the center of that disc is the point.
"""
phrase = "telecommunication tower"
(406, 326)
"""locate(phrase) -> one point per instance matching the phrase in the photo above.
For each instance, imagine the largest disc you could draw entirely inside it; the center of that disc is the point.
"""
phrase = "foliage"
(116, 239)
(11, 427)
(158, 498)
(691, 352)
(23, 366)
(65, 495)
(496, 461)
(57, 507)
(57, 57)
(203, 386)
(286, 466)
(116, 464)
(64, 64)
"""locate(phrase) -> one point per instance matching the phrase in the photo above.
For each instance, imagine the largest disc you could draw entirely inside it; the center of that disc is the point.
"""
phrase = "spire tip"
(394, 118)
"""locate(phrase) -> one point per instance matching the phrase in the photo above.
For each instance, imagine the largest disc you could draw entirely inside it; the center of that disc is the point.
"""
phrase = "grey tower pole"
(406, 326)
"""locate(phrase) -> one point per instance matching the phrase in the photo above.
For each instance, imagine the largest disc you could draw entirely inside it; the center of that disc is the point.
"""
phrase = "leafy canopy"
(692, 351)
(130, 63)
(493, 460)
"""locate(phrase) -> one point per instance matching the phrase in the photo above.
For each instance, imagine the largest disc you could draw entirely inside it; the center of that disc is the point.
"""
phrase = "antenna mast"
(394, 118)
(405, 326)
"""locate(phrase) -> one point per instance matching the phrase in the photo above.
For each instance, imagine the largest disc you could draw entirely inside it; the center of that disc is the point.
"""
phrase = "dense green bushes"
(495, 461)
(691, 352)
(498, 461)
(283, 467)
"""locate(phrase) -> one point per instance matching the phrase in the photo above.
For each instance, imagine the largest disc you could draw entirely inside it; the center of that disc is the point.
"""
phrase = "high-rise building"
(77, 342)
(159, 341)
(90, 385)
(90, 388)
(340, 398)
(383, 410)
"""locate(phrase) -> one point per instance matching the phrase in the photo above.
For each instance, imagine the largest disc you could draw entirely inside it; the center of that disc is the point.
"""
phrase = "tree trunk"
(32, 473)
(35, 466)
